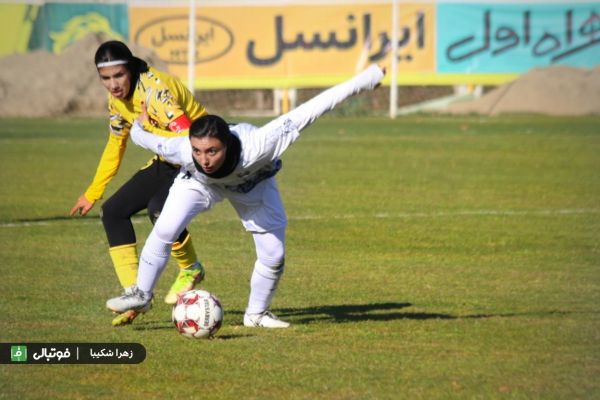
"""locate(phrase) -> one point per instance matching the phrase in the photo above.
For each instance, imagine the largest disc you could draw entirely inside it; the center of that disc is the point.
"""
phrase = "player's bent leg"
(186, 199)
(191, 271)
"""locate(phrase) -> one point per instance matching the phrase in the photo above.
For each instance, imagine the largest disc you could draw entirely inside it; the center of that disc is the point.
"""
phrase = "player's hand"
(83, 206)
(144, 119)
(383, 69)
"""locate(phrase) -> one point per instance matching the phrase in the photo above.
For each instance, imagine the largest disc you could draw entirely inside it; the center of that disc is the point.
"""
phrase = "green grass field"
(427, 258)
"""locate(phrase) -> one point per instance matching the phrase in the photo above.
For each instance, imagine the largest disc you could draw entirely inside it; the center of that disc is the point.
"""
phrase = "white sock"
(153, 259)
(262, 287)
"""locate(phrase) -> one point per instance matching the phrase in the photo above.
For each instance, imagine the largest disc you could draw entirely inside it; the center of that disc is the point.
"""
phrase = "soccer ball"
(197, 314)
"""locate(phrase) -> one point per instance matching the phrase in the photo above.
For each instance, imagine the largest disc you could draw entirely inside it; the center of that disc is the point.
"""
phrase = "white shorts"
(260, 210)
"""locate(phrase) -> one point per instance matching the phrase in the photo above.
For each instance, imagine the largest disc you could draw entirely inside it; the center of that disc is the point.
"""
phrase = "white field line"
(459, 213)
(376, 215)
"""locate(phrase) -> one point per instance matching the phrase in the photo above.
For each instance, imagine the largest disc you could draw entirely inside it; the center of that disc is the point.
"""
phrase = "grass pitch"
(427, 258)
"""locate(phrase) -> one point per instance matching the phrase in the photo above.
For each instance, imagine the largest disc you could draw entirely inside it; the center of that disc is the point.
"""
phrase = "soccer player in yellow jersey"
(130, 82)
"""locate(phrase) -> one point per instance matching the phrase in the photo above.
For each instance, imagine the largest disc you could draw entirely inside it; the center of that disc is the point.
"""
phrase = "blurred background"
(263, 57)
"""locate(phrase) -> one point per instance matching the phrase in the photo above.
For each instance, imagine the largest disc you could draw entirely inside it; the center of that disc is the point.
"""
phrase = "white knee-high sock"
(262, 287)
(153, 260)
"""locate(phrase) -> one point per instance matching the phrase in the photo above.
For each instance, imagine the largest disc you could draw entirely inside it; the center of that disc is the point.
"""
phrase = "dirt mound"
(42, 84)
(556, 90)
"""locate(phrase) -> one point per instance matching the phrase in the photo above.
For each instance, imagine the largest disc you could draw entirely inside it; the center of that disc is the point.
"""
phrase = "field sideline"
(427, 258)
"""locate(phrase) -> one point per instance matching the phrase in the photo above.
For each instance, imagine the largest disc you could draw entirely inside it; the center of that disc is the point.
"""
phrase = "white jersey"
(261, 147)
(250, 188)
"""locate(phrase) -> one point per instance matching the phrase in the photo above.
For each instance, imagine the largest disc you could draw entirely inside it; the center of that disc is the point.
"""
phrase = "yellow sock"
(184, 253)
(125, 261)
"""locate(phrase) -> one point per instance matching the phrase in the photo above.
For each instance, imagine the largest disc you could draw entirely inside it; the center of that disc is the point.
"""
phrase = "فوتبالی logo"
(18, 353)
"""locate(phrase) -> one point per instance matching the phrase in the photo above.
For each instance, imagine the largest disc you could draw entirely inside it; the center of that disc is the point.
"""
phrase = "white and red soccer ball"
(197, 314)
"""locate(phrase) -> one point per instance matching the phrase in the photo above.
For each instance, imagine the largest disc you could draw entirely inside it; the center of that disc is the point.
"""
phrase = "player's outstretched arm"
(280, 133)
(308, 112)
(172, 149)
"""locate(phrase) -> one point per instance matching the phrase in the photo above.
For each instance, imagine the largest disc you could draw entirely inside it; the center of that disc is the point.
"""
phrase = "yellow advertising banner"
(249, 46)
(17, 23)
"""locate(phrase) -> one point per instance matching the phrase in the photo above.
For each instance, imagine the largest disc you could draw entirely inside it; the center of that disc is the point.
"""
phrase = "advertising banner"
(294, 45)
(263, 44)
(58, 25)
(495, 38)
(17, 22)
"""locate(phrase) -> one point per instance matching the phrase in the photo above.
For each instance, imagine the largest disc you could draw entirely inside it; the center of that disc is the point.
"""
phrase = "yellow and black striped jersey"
(170, 107)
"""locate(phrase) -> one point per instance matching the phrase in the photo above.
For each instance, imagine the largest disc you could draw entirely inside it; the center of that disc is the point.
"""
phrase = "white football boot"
(132, 299)
(265, 319)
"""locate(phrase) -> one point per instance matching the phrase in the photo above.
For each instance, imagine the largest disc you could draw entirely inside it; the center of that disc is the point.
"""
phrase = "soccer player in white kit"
(237, 163)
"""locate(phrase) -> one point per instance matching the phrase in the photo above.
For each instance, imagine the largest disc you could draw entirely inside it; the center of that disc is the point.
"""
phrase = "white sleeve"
(173, 149)
(280, 133)
(327, 100)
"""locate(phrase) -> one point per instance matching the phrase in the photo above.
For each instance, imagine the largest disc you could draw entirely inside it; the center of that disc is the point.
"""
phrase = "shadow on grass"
(350, 313)
(343, 313)
(385, 312)
(355, 312)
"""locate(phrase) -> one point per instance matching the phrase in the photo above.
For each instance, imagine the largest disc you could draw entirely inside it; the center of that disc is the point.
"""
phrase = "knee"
(270, 271)
(273, 262)
(156, 246)
(110, 211)
(270, 251)
(165, 232)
